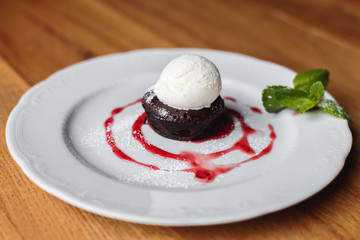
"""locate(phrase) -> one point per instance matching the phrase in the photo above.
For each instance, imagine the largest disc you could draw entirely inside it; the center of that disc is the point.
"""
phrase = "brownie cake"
(183, 125)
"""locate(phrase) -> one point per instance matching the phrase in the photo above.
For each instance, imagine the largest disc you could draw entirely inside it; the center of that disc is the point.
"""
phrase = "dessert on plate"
(185, 103)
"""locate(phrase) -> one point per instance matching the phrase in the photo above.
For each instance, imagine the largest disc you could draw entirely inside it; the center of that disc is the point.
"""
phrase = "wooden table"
(40, 37)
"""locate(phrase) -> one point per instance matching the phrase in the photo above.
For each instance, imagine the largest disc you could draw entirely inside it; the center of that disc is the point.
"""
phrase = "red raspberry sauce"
(200, 164)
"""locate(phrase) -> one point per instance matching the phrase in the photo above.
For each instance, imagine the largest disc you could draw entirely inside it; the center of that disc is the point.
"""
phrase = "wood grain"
(40, 37)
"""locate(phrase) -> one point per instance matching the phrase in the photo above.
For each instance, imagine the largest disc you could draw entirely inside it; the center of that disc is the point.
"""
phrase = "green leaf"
(295, 99)
(317, 90)
(303, 81)
(270, 102)
(332, 108)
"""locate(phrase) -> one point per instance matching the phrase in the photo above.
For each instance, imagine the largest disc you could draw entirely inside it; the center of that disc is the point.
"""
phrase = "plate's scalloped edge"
(24, 156)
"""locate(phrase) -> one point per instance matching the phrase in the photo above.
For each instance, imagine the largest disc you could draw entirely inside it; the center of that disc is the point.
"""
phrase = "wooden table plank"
(76, 37)
(40, 37)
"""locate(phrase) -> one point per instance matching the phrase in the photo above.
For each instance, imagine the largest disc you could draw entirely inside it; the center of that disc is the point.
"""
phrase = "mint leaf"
(332, 108)
(270, 102)
(308, 92)
(303, 81)
(295, 99)
(317, 90)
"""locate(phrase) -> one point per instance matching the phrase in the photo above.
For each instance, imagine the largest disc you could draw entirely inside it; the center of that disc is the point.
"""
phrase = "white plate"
(56, 134)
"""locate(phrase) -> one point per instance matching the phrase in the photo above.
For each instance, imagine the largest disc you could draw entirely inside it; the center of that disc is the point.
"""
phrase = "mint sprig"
(308, 92)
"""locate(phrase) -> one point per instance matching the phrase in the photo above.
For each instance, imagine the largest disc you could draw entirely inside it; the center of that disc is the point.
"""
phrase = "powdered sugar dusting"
(172, 173)
(199, 163)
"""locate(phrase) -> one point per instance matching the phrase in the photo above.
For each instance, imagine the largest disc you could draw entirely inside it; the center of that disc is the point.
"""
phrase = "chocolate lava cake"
(183, 125)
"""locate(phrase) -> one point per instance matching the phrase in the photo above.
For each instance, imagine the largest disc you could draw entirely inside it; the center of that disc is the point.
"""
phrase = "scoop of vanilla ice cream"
(189, 82)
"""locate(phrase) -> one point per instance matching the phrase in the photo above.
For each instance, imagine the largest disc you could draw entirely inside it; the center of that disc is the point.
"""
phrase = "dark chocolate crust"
(184, 125)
